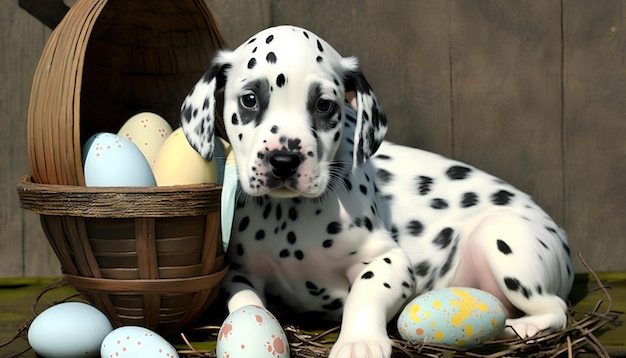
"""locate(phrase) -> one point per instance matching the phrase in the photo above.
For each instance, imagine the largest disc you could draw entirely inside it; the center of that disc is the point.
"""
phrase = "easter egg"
(135, 341)
(178, 163)
(111, 160)
(148, 131)
(457, 316)
(252, 332)
(68, 330)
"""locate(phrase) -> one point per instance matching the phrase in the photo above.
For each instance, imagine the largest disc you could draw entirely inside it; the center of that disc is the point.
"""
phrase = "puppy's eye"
(324, 105)
(248, 101)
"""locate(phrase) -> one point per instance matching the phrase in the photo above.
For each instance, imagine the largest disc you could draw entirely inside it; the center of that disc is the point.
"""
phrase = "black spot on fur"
(269, 39)
(415, 227)
(271, 57)
(279, 212)
(252, 63)
(504, 247)
(438, 204)
(446, 267)
(384, 176)
(291, 237)
(422, 268)
(513, 284)
(293, 213)
(280, 80)
(565, 247)
(337, 136)
(234, 119)
(260, 235)
(368, 224)
(327, 243)
(444, 238)
(502, 197)
(551, 230)
(243, 224)
(458, 172)
(386, 285)
(319, 46)
(240, 250)
(363, 189)
(274, 129)
(424, 185)
(267, 210)
(367, 275)
(334, 227)
(469, 199)
(284, 253)
(387, 260)
(334, 305)
(319, 59)
(394, 233)
(299, 255)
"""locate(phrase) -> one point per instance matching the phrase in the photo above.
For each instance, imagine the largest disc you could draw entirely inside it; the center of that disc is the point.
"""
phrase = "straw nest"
(578, 337)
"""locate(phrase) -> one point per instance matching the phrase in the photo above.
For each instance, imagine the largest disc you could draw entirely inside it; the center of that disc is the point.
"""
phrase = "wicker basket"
(149, 256)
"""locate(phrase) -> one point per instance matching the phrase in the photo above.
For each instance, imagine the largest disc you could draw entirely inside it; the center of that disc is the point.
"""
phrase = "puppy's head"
(282, 95)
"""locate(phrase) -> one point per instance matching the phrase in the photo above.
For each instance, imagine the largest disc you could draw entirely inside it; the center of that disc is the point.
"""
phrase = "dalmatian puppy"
(333, 220)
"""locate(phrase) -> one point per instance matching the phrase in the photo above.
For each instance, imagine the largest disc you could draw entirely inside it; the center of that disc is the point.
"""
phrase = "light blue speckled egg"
(112, 160)
(459, 317)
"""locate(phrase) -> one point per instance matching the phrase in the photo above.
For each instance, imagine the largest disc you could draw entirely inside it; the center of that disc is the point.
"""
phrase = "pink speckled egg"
(134, 342)
(252, 332)
(457, 316)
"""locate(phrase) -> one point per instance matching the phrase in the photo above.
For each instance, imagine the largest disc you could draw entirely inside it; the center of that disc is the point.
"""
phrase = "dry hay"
(578, 337)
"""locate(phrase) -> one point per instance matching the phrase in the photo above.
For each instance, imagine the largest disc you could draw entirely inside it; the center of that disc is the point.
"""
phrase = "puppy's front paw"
(367, 347)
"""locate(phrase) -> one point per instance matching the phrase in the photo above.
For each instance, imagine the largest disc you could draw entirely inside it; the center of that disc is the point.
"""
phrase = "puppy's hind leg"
(526, 265)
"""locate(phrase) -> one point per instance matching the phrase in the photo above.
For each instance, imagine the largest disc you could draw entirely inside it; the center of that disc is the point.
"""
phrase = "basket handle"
(49, 12)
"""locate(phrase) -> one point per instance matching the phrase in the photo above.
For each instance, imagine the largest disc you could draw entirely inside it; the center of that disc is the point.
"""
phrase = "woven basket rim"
(26, 182)
(147, 286)
(118, 202)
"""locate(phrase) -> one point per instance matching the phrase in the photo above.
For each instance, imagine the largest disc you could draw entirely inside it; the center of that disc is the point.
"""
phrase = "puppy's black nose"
(285, 164)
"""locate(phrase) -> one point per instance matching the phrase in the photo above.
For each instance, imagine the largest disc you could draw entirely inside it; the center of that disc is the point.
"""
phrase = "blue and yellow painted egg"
(457, 316)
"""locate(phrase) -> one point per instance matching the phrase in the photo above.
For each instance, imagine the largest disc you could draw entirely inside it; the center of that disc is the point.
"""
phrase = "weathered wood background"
(532, 91)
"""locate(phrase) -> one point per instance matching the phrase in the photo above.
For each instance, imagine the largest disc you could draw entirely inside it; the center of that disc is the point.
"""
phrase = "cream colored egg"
(178, 163)
(148, 131)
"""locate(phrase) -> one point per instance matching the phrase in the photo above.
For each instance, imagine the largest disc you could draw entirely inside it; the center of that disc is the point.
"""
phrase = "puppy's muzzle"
(284, 164)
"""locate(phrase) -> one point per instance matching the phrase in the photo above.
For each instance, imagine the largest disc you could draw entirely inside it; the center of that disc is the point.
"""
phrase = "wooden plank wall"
(532, 91)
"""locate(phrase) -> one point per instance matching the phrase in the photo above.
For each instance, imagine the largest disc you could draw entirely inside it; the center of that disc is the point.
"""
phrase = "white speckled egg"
(178, 163)
(457, 316)
(68, 330)
(148, 131)
(111, 160)
(252, 332)
(134, 342)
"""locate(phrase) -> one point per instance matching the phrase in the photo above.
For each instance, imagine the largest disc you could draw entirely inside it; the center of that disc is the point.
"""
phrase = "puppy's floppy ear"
(201, 108)
(371, 121)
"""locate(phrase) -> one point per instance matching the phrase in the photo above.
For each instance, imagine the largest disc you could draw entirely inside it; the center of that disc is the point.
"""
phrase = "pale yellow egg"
(148, 131)
(177, 163)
